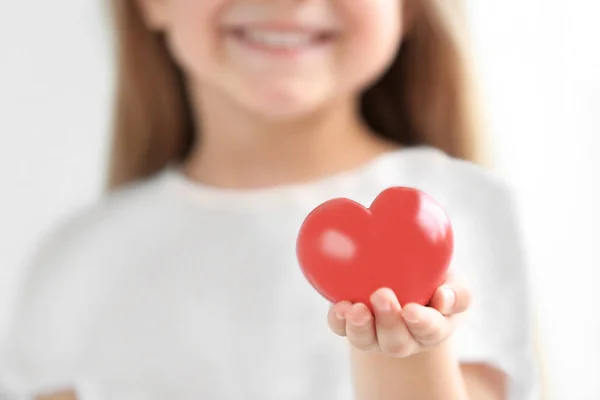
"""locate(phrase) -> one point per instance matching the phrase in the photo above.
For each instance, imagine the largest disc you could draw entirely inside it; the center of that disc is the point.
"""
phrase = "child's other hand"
(400, 332)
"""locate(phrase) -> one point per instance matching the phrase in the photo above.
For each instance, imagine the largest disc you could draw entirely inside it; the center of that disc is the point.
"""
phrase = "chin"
(282, 112)
(286, 101)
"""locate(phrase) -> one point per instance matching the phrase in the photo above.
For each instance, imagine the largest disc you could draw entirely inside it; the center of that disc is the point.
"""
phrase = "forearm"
(59, 396)
(431, 375)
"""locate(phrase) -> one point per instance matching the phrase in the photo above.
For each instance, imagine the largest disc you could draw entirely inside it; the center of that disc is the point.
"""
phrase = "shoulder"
(488, 229)
(482, 207)
(87, 236)
(111, 213)
(456, 183)
(91, 229)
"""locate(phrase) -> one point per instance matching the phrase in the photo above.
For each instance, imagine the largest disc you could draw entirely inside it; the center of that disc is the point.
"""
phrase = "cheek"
(374, 34)
(192, 32)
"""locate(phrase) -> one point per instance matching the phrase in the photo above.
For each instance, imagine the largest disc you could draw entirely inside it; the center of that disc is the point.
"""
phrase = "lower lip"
(315, 46)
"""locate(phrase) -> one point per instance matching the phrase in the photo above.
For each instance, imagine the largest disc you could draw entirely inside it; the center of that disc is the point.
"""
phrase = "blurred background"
(540, 67)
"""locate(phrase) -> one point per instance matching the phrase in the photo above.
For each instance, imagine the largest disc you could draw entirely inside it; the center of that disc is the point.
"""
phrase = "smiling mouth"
(282, 39)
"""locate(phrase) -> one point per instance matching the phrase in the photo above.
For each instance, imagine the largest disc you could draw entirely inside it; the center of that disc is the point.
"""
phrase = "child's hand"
(400, 332)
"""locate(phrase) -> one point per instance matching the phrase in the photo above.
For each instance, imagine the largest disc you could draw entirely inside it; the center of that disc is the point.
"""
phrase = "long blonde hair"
(425, 97)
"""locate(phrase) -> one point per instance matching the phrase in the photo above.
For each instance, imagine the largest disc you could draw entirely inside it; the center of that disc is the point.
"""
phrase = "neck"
(237, 148)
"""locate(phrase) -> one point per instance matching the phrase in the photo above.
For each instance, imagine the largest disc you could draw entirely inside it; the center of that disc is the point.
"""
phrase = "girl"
(234, 119)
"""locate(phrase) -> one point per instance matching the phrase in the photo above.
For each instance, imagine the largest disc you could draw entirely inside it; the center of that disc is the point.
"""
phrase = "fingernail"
(361, 321)
(449, 299)
(381, 304)
(411, 316)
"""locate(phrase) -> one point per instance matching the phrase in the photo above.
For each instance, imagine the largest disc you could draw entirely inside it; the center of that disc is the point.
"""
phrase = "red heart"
(404, 242)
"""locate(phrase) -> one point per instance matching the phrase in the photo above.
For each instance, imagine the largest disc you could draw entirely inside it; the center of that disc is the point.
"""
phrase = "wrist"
(434, 373)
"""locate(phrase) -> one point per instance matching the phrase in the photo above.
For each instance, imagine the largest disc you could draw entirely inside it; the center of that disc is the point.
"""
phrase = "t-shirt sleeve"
(38, 347)
(489, 252)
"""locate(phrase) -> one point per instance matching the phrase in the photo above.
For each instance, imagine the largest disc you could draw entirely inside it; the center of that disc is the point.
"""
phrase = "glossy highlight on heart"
(403, 241)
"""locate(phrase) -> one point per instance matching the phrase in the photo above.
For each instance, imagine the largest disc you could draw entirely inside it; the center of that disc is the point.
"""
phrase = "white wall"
(54, 98)
(541, 65)
(542, 82)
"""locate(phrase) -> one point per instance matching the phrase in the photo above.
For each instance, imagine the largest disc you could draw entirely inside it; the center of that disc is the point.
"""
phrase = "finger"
(426, 324)
(360, 328)
(451, 298)
(444, 300)
(336, 317)
(393, 335)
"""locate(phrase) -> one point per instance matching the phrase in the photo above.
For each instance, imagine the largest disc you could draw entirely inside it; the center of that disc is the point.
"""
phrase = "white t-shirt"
(169, 289)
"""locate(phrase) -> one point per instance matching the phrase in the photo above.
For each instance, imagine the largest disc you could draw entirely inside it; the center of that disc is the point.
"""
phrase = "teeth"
(279, 39)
